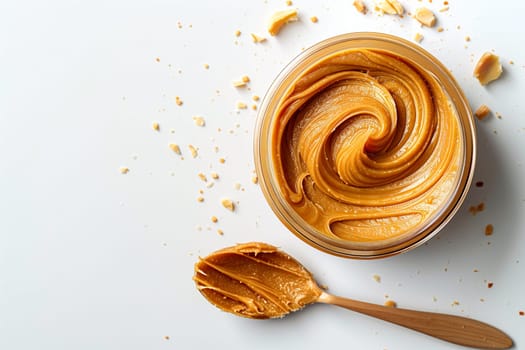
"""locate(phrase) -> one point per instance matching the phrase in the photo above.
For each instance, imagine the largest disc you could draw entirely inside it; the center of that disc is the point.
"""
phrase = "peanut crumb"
(228, 204)
(521, 313)
(488, 68)
(254, 107)
(202, 177)
(425, 17)
(455, 303)
(467, 38)
(314, 19)
(245, 79)
(279, 19)
(489, 230)
(418, 37)
(360, 6)
(222, 160)
(257, 39)
(214, 175)
(199, 121)
(390, 303)
(239, 83)
(206, 66)
(482, 112)
(323, 287)
(124, 170)
(220, 232)
(178, 101)
(194, 151)
(255, 98)
(444, 9)
(289, 3)
(175, 148)
(255, 179)
(155, 126)
(490, 284)
(377, 278)
(390, 7)
(237, 33)
(214, 219)
(440, 29)
(157, 59)
(166, 337)
(200, 199)
(241, 105)
(474, 209)
(511, 62)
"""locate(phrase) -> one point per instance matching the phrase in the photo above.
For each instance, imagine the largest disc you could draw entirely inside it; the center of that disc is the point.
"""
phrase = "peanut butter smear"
(255, 280)
(366, 146)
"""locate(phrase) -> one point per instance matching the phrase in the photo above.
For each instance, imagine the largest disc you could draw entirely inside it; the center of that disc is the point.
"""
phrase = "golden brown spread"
(367, 146)
(255, 280)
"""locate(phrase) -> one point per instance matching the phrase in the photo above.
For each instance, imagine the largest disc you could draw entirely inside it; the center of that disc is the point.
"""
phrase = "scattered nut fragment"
(194, 151)
(418, 37)
(206, 66)
(214, 219)
(521, 313)
(467, 38)
(474, 209)
(178, 101)
(390, 303)
(444, 9)
(200, 199)
(214, 175)
(124, 170)
(228, 204)
(314, 19)
(241, 105)
(239, 84)
(440, 29)
(220, 232)
(202, 177)
(390, 7)
(237, 33)
(255, 98)
(155, 126)
(490, 285)
(289, 3)
(482, 112)
(175, 148)
(245, 78)
(257, 39)
(377, 278)
(360, 6)
(254, 107)
(255, 179)
(279, 19)
(199, 121)
(425, 17)
(489, 230)
(455, 303)
(488, 68)
(222, 160)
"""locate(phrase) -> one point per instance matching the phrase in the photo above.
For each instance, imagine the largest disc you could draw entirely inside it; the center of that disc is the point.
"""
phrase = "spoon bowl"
(257, 280)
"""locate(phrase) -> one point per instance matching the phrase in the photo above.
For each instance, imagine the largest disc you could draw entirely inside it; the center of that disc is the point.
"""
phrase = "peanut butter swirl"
(255, 280)
(367, 146)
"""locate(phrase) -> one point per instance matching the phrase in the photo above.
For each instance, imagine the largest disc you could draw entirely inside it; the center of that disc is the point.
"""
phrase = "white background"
(94, 259)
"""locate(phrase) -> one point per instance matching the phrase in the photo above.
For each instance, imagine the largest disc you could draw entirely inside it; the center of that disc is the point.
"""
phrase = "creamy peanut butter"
(366, 146)
(255, 280)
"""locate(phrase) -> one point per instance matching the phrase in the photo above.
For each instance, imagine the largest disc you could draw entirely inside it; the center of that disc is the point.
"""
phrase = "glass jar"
(276, 184)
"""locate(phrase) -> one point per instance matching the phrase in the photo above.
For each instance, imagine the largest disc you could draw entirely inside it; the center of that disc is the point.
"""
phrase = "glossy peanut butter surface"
(367, 146)
(255, 280)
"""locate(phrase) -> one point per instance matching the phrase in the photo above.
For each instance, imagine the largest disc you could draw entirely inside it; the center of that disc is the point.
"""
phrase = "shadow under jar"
(365, 145)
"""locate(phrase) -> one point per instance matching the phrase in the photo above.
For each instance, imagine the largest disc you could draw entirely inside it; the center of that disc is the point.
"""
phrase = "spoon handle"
(455, 329)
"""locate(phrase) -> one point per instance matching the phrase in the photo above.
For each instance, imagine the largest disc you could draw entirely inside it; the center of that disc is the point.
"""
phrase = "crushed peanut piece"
(200, 199)
(279, 19)
(255, 98)
(199, 121)
(289, 3)
(489, 230)
(521, 313)
(239, 84)
(377, 278)
(214, 219)
(202, 177)
(222, 160)
(178, 101)
(488, 68)
(474, 209)
(440, 29)
(390, 303)
(245, 79)
(314, 19)
(360, 6)
(241, 105)
(237, 33)
(254, 107)
(425, 17)
(390, 7)
(467, 38)
(155, 126)
(490, 285)
(444, 9)
(255, 179)
(206, 66)
(175, 148)
(257, 39)
(418, 37)
(455, 303)
(228, 204)
(214, 175)
(166, 337)
(220, 232)
(124, 170)
(194, 151)
(482, 112)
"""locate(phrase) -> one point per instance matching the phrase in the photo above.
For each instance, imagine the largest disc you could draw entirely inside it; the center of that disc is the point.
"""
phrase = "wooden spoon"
(257, 280)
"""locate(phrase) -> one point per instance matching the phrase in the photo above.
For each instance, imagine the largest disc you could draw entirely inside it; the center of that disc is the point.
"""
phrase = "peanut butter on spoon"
(257, 280)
